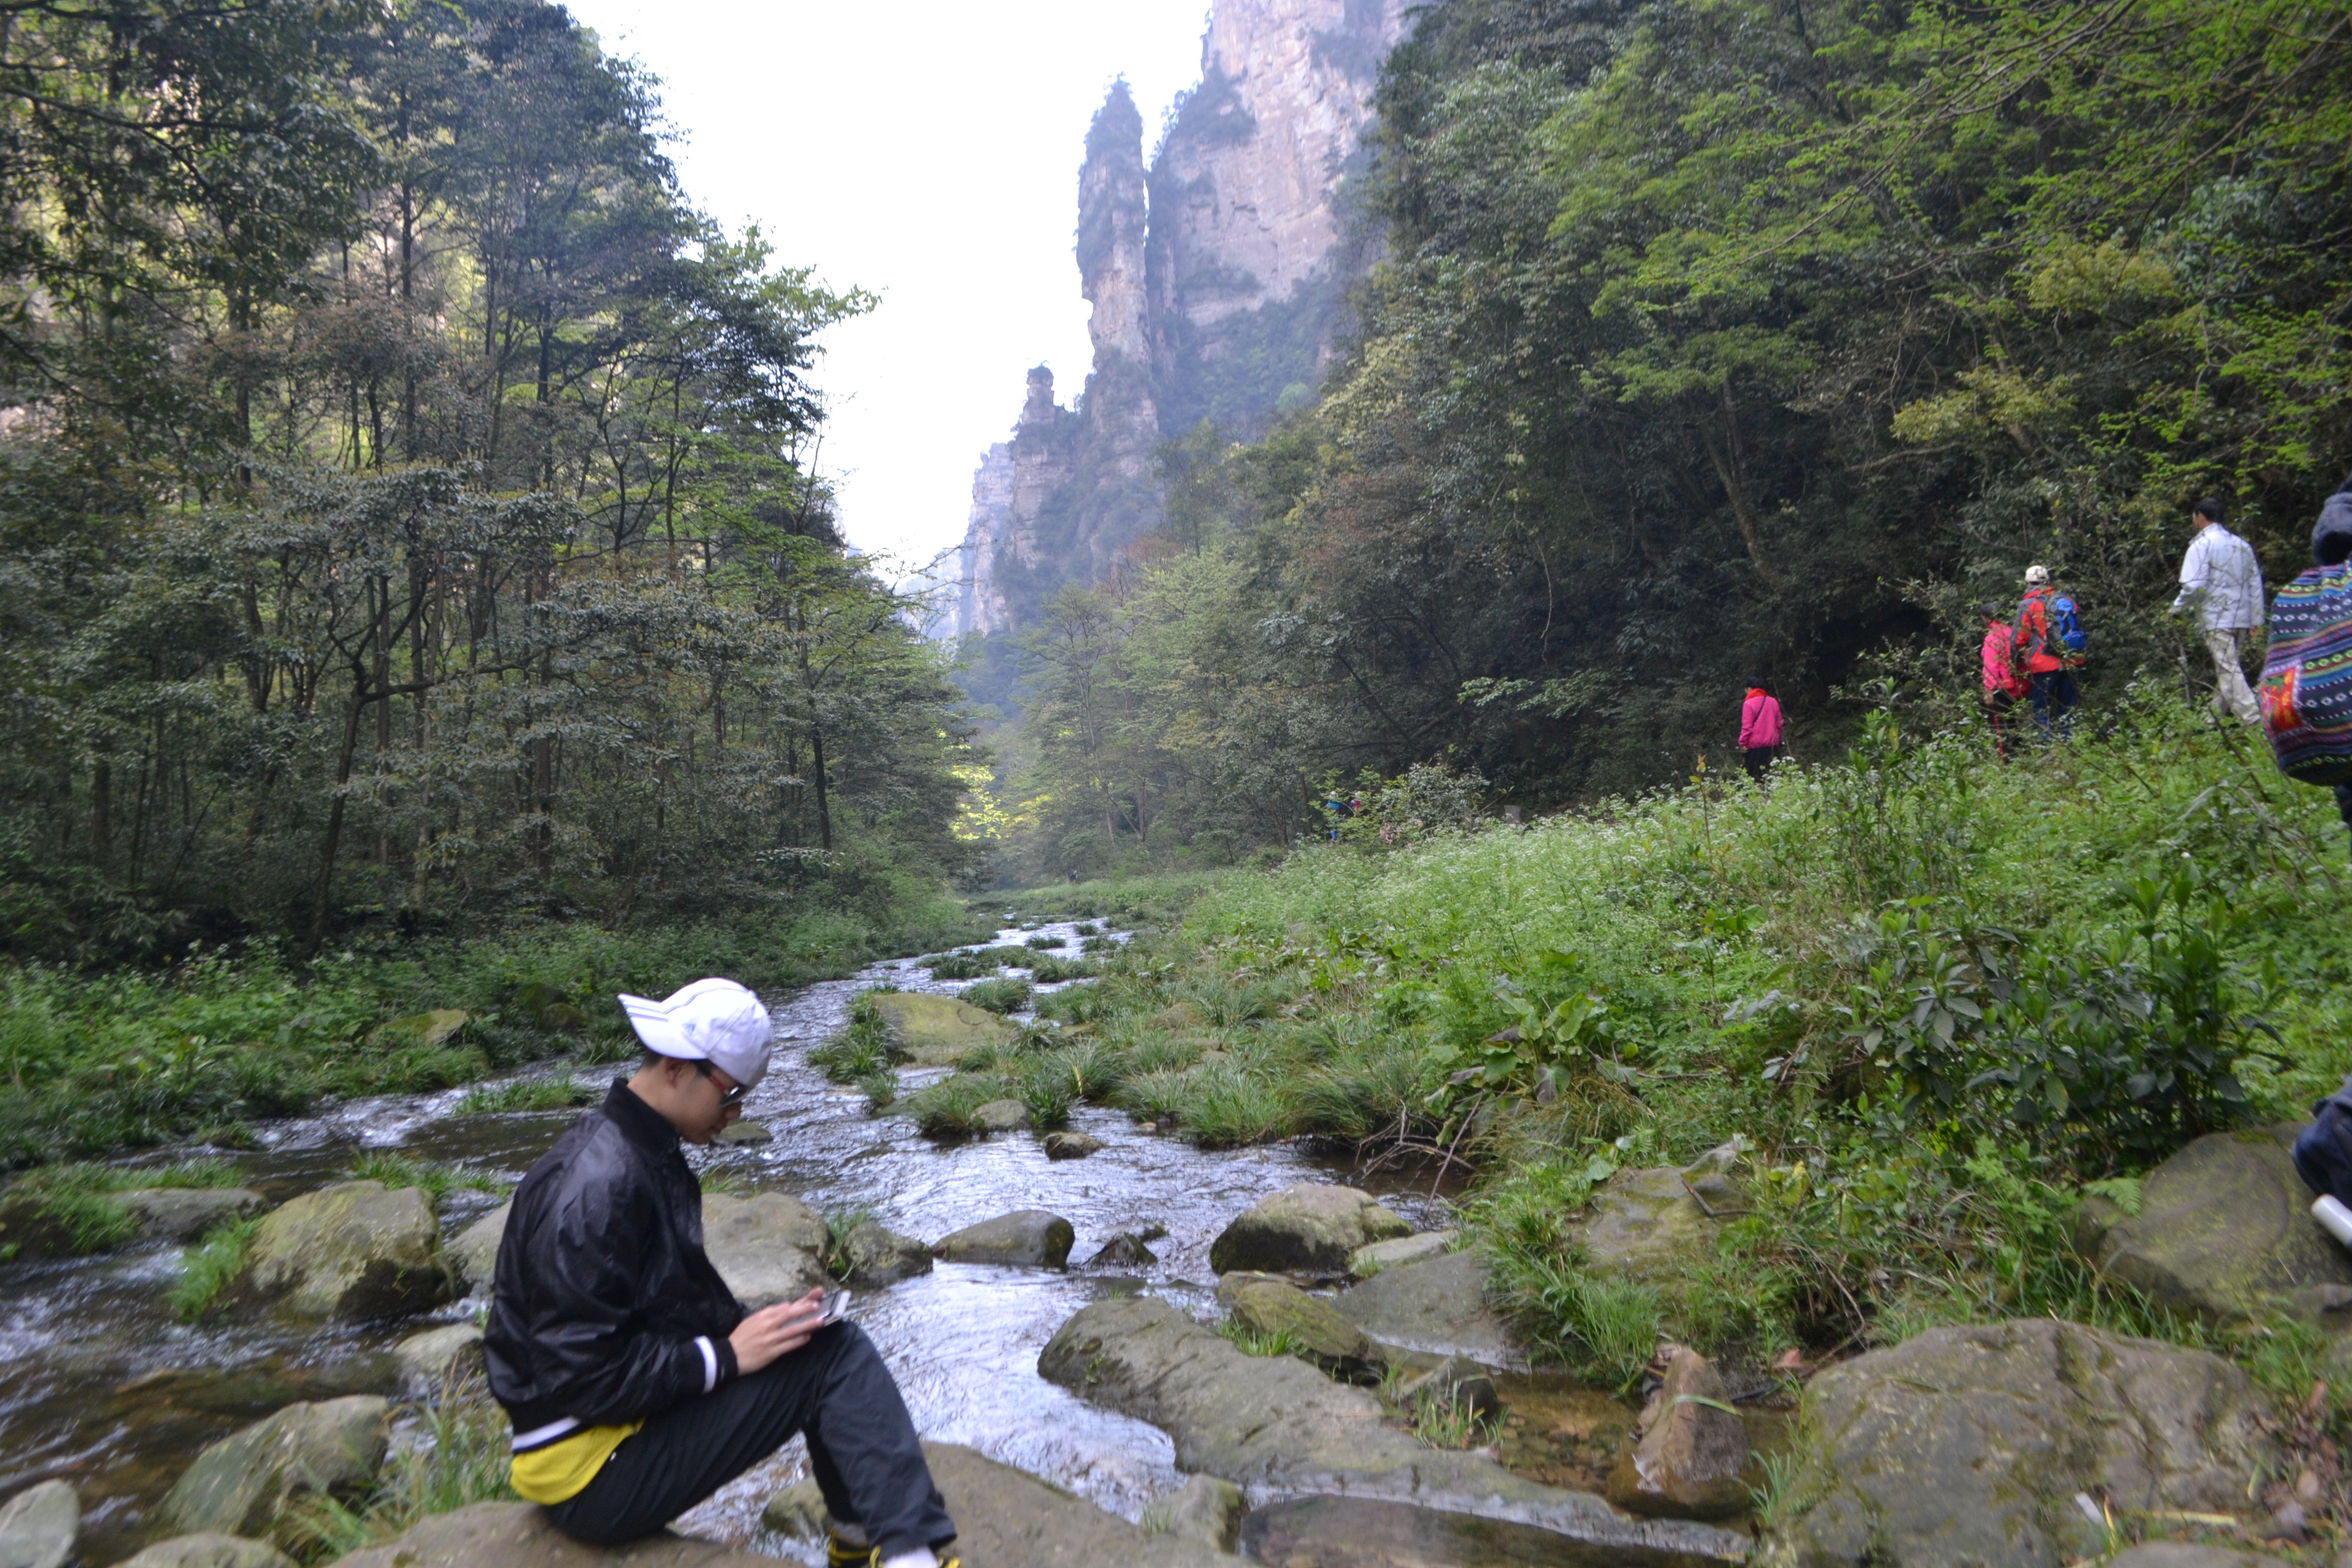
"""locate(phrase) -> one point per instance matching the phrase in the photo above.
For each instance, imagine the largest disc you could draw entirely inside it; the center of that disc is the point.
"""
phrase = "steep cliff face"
(1249, 204)
(1215, 278)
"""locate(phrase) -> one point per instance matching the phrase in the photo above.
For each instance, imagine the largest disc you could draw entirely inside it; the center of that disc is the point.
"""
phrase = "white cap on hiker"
(2036, 576)
(715, 1021)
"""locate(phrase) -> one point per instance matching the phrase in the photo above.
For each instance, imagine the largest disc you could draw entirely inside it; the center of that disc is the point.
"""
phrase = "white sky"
(927, 150)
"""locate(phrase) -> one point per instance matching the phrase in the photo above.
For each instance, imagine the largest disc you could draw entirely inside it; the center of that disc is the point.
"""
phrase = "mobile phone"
(835, 1307)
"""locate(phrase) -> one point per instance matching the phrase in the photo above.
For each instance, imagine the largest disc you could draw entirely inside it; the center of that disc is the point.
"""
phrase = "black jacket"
(604, 1308)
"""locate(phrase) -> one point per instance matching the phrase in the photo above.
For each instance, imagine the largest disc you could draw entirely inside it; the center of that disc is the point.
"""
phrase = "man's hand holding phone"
(776, 1331)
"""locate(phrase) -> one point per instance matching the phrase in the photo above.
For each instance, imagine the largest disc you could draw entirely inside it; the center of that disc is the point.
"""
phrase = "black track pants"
(861, 1444)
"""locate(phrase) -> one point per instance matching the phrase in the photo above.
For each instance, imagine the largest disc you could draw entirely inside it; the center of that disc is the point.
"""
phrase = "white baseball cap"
(2036, 576)
(715, 1021)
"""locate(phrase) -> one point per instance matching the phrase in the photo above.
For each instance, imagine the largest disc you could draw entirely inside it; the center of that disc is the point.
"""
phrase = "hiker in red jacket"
(2037, 652)
(2003, 684)
(1760, 732)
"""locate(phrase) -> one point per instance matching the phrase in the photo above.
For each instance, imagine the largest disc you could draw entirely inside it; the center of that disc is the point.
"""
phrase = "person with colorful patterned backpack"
(2307, 671)
(2048, 644)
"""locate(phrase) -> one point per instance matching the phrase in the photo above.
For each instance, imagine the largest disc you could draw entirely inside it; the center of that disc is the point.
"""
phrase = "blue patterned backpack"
(2308, 677)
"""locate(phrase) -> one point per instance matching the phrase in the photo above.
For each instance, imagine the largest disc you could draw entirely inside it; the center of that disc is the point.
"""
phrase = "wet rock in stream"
(352, 1250)
(1309, 1228)
(1125, 1250)
(1456, 1382)
(1029, 1238)
(1271, 1307)
(766, 1246)
(1071, 1145)
(210, 1549)
(1434, 1308)
(185, 1214)
(747, 1134)
(429, 1358)
(1693, 1454)
(2182, 1554)
(1203, 1508)
(1366, 1533)
(39, 1527)
(473, 1253)
(1971, 1444)
(878, 1256)
(1277, 1424)
(1001, 1116)
(239, 1484)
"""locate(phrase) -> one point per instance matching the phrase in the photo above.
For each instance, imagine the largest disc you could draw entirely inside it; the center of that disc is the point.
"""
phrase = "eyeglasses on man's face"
(727, 1098)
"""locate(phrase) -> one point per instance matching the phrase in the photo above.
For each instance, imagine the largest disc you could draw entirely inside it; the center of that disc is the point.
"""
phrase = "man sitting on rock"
(637, 1383)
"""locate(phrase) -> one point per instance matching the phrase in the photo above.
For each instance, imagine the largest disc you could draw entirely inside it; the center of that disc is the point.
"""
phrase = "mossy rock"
(2224, 1230)
(1969, 1444)
(1310, 1228)
(352, 1251)
(1647, 1225)
(239, 1484)
(1265, 1305)
(936, 1031)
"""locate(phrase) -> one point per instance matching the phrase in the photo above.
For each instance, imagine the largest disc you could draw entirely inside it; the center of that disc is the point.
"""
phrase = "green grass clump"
(864, 1051)
(961, 965)
(1042, 943)
(945, 1109)
(1283, 1340)
(1050, 970)
(564, 1093)
(1005, 995)
(436, 1180)
(208, 1267)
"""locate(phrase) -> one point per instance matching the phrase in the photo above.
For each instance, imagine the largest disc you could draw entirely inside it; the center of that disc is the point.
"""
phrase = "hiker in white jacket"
(2220, 579)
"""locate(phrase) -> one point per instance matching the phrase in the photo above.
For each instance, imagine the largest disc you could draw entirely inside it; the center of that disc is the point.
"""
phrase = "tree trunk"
(335, 812)
(823, 803)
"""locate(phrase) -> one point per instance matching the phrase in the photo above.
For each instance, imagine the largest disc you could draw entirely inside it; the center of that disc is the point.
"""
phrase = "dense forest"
(408, 522)
(1750, 342)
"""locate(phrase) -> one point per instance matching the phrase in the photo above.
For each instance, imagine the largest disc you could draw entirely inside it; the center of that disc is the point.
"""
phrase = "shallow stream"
(101, 1386)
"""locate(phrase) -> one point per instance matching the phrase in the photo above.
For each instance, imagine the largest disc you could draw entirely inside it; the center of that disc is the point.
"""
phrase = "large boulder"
(2224, 1227)
(473, 1253)
(878, 1256)
(1968, 1445)
(1265, 1305)
(238, 1484)
(39, 1527)
(352, 1251)
(1437, 1308)
(1310, 1228)
(766, 1247)
(1001, 1116)
(1277, 1424)
(210, 1549)
(185, 1214)
(1024, 1238)
(1071, 1145)
(936, 1031)
(1694, 1449)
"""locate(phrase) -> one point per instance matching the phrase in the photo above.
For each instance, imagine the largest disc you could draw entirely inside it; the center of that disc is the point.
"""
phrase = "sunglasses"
(727, 1098)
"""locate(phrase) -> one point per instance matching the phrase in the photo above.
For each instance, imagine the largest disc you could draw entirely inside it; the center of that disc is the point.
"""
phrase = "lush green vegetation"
(436, 1180)
(198, 1049)
(1939, 998)
(79, 1203)
(1719, 343)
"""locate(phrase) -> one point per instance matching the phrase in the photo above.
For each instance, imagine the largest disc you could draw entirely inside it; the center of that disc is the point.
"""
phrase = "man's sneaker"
(839, 1553)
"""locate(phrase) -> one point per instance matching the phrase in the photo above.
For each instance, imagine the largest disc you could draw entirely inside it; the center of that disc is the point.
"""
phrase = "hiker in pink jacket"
(1760, 730)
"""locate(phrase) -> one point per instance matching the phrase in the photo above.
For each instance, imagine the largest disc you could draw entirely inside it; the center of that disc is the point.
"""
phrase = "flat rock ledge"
(1277, 1427)
(1005, 1517)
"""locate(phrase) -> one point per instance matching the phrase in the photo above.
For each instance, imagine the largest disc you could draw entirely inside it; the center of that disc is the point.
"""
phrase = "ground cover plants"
(1939, 998)
(132, 1058)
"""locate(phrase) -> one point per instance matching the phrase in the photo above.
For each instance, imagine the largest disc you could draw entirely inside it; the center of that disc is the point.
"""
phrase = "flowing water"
(100, 1385)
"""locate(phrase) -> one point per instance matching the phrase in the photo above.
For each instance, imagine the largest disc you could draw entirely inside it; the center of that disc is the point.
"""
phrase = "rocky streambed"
(1073, 1319)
